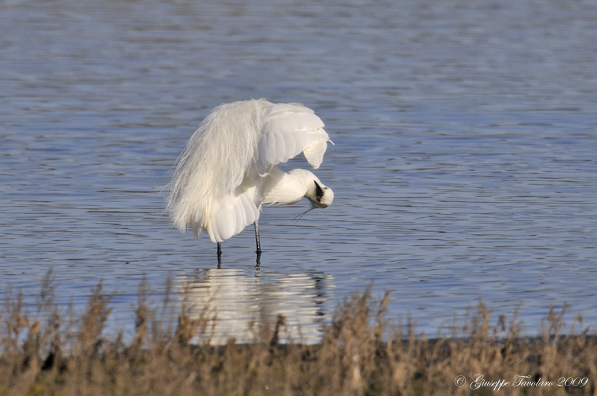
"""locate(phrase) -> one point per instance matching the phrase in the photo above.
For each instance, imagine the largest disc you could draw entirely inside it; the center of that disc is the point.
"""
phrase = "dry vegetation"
(361, 354)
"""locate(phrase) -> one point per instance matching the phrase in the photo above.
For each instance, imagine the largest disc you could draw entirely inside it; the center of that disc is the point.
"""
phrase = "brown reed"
(49, 352)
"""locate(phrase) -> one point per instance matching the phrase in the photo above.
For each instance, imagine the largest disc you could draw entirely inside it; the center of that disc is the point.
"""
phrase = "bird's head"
(320, 195)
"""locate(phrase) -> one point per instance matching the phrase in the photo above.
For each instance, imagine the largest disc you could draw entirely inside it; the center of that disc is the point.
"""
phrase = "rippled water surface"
(465, 163)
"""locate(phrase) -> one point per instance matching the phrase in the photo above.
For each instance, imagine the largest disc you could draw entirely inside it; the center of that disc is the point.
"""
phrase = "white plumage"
(228, 168)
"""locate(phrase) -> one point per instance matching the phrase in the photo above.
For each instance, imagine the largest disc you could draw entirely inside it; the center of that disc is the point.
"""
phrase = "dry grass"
(361, 354)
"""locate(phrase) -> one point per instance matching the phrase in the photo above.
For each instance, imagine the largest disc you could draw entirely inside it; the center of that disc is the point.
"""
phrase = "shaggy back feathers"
(215, 159)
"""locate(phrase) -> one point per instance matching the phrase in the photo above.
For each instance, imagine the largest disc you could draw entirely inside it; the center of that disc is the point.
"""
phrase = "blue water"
(464, 166)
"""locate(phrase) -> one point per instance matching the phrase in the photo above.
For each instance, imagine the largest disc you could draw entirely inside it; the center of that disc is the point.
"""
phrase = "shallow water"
(464, 164)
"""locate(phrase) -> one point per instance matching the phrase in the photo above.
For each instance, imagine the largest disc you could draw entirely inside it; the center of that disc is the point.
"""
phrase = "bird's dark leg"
(258, 243)
(257, 237)
(219, 254)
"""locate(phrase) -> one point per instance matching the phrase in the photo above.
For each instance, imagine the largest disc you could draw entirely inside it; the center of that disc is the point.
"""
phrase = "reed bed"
(49, 352)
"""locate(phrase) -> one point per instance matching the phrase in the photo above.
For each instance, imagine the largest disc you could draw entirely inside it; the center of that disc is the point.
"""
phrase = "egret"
(228, 169)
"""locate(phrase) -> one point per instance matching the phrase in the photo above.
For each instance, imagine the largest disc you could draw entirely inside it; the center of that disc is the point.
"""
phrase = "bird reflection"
(241, 299)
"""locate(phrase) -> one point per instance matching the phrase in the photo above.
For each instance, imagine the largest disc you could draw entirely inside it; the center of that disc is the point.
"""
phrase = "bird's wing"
(230, 214)
(287, 130)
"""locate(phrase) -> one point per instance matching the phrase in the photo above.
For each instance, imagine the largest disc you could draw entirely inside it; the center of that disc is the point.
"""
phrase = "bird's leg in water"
(257, 237)
(219, 254)
(258, 243)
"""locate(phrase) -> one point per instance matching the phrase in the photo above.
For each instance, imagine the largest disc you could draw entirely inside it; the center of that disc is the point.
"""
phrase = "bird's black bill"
(297, 218)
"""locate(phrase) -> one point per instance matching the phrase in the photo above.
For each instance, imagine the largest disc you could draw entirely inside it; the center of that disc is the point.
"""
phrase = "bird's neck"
(287, 188)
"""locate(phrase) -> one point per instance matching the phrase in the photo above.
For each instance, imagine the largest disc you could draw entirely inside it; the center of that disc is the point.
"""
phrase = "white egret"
(228, 168)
